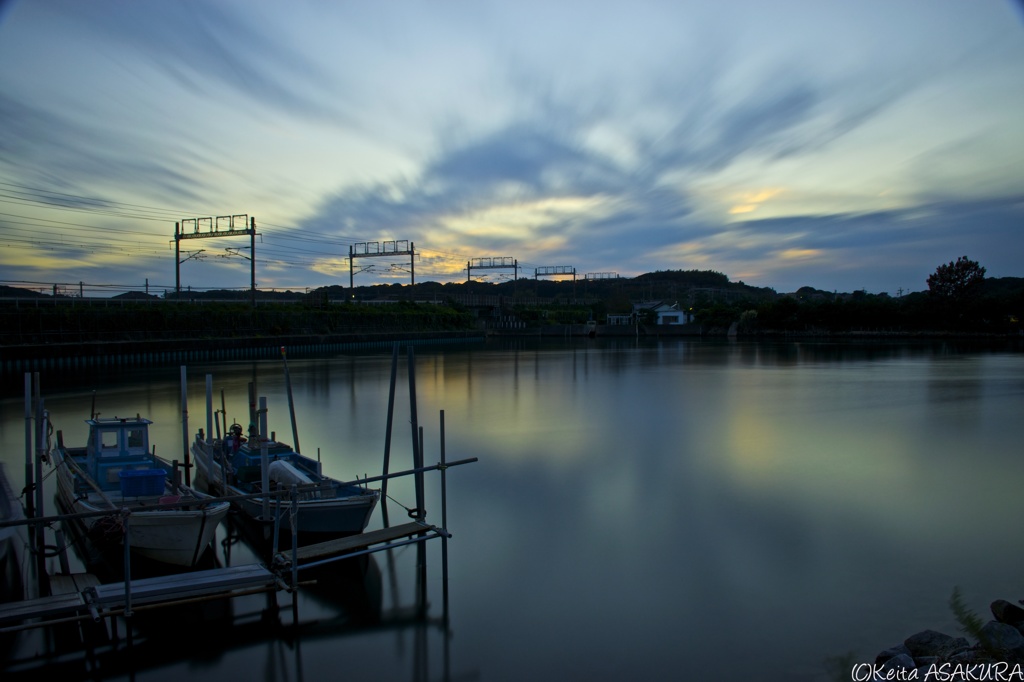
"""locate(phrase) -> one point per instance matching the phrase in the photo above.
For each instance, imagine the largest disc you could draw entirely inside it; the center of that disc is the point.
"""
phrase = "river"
(683, 509)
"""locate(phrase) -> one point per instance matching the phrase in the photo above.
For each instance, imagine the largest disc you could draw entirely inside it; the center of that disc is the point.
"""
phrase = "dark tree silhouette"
(956, 280)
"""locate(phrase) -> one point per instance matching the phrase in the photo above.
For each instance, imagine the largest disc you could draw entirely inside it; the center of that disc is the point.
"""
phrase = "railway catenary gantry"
(492, 263)
(237, 225)
(399, 247)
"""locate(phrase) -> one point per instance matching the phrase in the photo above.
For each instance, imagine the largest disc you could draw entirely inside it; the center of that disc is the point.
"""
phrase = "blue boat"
(232, 466)
(116, 472)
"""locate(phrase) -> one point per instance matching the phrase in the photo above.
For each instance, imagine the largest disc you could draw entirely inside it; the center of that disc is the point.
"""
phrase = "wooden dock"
(82, 597)
(79, 598)
(94, 598)
(358, 544)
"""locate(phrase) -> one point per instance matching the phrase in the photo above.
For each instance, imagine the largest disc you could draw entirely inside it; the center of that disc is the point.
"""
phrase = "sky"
(826, 143)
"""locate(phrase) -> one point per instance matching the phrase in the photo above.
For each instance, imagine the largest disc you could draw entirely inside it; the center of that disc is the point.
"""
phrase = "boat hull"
(13, 544)
(321, 517)
(176, 536)
(346, 514)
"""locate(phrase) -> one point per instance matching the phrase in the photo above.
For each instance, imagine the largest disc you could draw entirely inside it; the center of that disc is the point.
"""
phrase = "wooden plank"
(352, 543)
(72, 584)
(43, 607)
(146, 591)
(182, 585)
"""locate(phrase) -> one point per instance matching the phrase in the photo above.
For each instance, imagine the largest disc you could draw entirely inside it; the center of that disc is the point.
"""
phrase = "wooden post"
(295, 537)
(387, 434)
(209, 410)
(224, 413)
(252, 432)
(444, 527)
(417, 457)
(421, 548)
(29, 499)
(127, 566)
(264, 459)
(41, 418)
(184, 423)
(291, 404)
(417, 453)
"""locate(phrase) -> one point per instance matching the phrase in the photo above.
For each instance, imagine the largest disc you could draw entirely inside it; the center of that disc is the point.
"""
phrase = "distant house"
(666, 314)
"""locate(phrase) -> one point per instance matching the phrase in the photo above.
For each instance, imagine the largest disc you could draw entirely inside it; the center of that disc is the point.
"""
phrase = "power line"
(74, 225)
(290, 239)
(38, 190)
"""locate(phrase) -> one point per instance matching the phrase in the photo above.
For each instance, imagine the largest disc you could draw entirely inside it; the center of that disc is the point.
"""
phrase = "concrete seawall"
(116, 353)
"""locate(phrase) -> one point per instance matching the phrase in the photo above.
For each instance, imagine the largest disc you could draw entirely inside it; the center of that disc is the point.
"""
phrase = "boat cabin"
(115, 445)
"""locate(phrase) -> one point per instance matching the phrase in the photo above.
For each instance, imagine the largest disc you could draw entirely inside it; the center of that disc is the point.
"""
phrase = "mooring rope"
(413, 512)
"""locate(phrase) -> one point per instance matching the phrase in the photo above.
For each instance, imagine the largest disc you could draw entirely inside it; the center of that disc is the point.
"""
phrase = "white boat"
(13, 543)
(116, 472)
(326, 506)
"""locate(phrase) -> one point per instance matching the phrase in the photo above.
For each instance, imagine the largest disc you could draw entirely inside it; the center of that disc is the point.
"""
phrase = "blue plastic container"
(140, 482)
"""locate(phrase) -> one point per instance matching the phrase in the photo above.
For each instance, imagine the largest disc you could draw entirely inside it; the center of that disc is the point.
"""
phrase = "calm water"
(656, 511)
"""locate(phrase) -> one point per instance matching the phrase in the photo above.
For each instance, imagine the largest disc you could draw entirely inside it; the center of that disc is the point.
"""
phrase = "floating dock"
(83, 597)
(98, 601)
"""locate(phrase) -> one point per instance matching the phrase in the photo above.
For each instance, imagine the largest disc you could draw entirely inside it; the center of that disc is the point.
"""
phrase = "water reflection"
(700, 509)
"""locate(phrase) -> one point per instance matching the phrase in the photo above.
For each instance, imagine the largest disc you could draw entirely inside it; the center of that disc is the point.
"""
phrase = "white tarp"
(283, 473)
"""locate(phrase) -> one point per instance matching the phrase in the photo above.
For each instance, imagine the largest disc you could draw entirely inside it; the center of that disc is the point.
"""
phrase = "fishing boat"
(13, 543)
(116, 472)
(234, 467)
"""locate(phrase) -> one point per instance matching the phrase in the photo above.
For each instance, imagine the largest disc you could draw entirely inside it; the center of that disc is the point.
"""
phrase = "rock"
(896, 664)
(1001, 637)
(1008, 613)
(965, 656)
(928, 643)
(892, 652)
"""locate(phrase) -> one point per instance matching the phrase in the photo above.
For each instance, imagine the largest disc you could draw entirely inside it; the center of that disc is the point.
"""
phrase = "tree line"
(960, 299)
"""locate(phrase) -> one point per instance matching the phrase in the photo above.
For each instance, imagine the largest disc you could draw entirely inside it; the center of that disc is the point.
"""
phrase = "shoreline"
(112, 353)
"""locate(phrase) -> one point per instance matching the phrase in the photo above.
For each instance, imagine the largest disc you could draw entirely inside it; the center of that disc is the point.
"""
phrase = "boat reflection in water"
(278, 633)
(270, 593)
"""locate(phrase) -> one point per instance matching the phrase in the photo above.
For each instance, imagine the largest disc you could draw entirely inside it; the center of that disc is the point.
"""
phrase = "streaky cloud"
(214, 51)
(51, 149)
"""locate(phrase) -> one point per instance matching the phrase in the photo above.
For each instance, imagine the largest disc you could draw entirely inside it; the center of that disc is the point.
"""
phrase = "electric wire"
(325, 246)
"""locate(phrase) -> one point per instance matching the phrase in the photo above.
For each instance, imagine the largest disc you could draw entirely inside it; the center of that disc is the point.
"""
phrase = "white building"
(667, 314)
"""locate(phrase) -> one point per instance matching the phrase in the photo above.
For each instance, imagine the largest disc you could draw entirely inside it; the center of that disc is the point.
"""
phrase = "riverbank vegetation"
(35, 323)
(960, 300)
